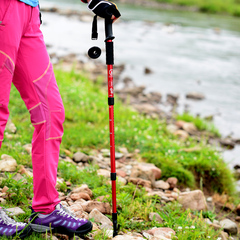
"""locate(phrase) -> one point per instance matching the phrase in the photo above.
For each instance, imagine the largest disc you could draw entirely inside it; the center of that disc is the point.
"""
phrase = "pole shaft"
(112, 135)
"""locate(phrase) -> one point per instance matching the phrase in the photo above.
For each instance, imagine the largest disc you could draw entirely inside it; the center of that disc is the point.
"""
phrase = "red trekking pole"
(95, 52)
(110, 62)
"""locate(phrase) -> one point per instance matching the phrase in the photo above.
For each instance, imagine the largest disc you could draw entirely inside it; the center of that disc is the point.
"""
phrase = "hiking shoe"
(61, 220)
(11, 228)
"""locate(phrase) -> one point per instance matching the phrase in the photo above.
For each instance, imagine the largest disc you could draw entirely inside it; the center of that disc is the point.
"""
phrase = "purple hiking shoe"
(11, 228)
(61, 220)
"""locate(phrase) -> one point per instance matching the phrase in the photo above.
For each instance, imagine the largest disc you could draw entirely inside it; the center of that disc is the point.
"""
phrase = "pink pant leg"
(8, 52)
(34, 79)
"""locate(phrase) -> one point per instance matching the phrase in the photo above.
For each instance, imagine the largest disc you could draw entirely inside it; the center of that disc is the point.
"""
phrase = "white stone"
(15, 211)
(229, 226)
(99, 217)
(7, 164)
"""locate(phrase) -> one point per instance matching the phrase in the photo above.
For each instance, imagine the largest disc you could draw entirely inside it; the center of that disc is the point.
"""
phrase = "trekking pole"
(110, 62)
(94, 53)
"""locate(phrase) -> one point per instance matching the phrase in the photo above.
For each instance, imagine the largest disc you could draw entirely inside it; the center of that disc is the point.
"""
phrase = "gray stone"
(195, 200)
(28, 148)
(172, 128)
(10, 127)
(7, 164)
(100, 218)
(162, 185)
(127, 237)
(80, 157)
(15, 211)
(156, 217)
(229, 226)
(195, 96)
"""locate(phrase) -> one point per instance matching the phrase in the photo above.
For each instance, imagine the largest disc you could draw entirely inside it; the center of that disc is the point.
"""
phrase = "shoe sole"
(26, 232)
(41, 228)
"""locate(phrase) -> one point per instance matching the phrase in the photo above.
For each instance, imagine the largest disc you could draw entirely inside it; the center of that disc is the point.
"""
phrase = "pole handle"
(108, 29)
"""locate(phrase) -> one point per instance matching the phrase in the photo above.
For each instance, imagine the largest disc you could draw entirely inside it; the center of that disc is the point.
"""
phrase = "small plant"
(20, 191)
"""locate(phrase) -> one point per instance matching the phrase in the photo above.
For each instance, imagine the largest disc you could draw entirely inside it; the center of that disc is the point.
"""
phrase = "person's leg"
(10, 35)
(34, 79)
(11, 28)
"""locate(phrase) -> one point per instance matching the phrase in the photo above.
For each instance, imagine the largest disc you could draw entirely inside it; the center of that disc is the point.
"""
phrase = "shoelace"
(9, 221)
(65, 211)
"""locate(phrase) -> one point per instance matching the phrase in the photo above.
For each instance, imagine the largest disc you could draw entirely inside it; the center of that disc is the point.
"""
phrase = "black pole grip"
(109, 53)
(108, 30)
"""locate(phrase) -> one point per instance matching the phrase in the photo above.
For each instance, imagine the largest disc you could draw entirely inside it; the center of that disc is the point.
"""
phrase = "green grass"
(86, 128)
(231, 7)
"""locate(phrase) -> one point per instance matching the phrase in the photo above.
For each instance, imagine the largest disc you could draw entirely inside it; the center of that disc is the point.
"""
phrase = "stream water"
(185, 51)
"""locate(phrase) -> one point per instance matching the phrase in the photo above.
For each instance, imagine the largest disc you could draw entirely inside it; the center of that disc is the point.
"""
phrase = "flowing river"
(186, 52)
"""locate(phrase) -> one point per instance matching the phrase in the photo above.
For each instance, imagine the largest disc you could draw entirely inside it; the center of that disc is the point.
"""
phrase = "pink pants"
(25, 62)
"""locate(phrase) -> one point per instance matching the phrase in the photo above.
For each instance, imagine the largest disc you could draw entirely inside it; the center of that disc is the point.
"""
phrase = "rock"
(145, 167)
(229, 226)
(117, 155)
(162, 185)
(227, 142)
(154, 97)
(161, 232)
(103, 172)
(28, 148)
(180, 123)
(3, 201)
(10, 127)
(5, 189)
(133, 91)
(215, 226)
(15, 211)
(141, 182)
(238, 210)
(127, 237)
(238, 219)
(195, 200)
(189, 128)
(172, 181)
(147, 70)
(121, 173)
(103, 207)
(156, 193)
(172, 128)
(156, 217)
(80, 157)
(76, 207)
(23, 170)
(146, 108)
(181, 134)
(122, 180)
(172, 98)
(100, 218)
(7, 164)
(223, 235)
(143, 174)
(195, 96)
(76, 196)
(18, 177)
(83, 188)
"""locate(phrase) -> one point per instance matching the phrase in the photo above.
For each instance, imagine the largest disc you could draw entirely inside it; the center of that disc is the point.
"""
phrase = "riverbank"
(158, 172)
(214, 7)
